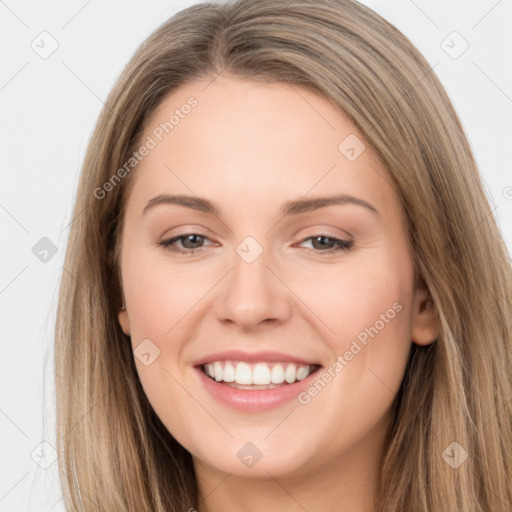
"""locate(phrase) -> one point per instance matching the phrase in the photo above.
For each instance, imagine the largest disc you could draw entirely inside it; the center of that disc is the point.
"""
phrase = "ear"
(124, 321)
(122, 315)
(425, 327)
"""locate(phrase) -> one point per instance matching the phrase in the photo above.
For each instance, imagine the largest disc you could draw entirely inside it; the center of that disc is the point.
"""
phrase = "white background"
(48, 111)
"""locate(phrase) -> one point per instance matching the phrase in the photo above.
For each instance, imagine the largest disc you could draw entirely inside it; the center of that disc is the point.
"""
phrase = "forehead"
(253, 143)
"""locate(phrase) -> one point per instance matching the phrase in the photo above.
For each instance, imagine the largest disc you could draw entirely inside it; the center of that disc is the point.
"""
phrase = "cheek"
(160, 303)
(172, 403)
(351, 297)
(369, 310)
(160, 296)
(366, 308)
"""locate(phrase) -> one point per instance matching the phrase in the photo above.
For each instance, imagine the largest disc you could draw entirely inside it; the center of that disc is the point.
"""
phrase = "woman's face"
(271, 280)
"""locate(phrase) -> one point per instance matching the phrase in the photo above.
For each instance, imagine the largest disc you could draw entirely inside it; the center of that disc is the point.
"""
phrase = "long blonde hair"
(115, 454)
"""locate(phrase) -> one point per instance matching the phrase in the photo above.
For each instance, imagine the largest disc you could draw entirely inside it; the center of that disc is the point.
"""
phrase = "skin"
(250, 146)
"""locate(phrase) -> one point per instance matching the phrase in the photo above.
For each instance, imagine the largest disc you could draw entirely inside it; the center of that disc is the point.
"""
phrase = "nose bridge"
(251, 263)
(252, 291)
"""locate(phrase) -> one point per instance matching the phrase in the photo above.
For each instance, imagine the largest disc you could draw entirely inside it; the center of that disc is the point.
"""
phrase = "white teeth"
(258, 374)
(243, 374)
(302, 372)
(290, 373)
(229, 373)
(261, 374)
(217, 368)
(277, 374)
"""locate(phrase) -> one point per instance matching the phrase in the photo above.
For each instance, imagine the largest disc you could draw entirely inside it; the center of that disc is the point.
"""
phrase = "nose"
(253, 294)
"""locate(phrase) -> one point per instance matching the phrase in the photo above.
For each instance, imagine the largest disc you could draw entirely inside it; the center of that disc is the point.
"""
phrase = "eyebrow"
(296, 207)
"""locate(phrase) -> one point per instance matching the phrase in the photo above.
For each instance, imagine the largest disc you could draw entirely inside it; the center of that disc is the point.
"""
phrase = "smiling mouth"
(256, 376)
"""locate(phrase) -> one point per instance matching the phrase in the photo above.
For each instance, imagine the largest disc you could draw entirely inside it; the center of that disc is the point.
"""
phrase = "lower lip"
(255, 400)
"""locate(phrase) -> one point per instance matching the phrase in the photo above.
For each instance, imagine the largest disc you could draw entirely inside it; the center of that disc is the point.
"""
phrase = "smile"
(254, 383)
(259, 375)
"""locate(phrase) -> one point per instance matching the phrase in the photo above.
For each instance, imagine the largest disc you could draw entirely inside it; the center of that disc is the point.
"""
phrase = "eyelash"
(341, 245)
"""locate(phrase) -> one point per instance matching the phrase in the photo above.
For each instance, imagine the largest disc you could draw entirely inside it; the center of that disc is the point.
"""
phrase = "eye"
(335, 244)
(189, 241)
(192, 244)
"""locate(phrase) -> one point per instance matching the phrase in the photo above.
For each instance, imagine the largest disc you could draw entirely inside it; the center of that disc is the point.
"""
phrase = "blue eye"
(195, 238)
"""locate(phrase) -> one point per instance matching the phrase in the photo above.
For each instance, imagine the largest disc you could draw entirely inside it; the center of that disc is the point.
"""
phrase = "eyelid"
(330, 231)
(187, 229)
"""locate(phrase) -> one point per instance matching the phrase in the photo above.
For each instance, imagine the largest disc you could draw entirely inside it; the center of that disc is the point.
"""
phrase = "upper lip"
(252, 357)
